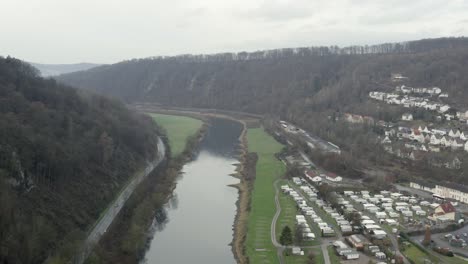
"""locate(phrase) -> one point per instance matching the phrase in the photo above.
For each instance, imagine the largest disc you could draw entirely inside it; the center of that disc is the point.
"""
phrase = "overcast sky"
(107, 31)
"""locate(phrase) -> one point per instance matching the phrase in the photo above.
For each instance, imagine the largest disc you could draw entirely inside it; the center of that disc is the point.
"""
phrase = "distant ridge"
(47, 70)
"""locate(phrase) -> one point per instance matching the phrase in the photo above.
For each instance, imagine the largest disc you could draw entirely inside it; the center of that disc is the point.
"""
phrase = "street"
(114, 208)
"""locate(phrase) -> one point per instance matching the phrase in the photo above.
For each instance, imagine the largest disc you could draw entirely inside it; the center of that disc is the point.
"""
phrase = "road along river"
(114, 208)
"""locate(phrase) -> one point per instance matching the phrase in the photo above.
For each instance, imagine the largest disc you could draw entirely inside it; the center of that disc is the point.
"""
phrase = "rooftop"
(448, 208)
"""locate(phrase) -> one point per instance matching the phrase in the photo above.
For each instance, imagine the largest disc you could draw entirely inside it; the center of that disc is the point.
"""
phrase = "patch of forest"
(64, 154)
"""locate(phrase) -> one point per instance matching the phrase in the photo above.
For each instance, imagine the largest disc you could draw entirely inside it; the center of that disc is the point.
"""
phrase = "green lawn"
(178, 129)
(268, 169)
(334, 258)
(416, 255)
(453, 260)
(291, 259)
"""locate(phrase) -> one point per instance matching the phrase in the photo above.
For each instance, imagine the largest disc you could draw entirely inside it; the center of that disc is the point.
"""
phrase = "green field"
(418, 256)
(291, 259)
(178, 129)
(268, 169)
(415, 254)
(334, 259)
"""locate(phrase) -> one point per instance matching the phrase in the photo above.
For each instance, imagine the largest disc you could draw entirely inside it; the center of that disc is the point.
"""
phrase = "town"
(352, 223)
(440, 137)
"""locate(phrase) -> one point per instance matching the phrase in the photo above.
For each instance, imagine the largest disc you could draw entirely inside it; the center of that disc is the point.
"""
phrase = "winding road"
(275, 242)
(278, 246)
(115, 206)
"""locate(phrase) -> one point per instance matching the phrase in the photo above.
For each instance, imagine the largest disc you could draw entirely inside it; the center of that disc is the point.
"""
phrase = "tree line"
(64, 154)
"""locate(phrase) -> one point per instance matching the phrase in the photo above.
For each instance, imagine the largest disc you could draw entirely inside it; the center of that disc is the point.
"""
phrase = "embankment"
(127, 238)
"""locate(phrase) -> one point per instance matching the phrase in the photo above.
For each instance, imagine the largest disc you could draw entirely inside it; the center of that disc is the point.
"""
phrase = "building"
(316, 179)
(407, 117)
(297, 251)
(396, 77)
(358, 119)
(453, 191)
(357, 241)
(379, 234)
(422, 185)
(457, 143)
(333, 177)
(351, 255)
(445, 211)
(311, 175)
(435, 140)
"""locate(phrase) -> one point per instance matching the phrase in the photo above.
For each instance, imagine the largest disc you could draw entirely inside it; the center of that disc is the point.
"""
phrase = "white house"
(451, 134)
(407, 117)
(463, 137)
(453, 191)
(434, 90)
(316, 179)
(333, 177)
(441, 132)
(444, 108)
(455, 134)
(444, 211)
(457, 143)
(445, 142)
(434, 140)
(422, 186)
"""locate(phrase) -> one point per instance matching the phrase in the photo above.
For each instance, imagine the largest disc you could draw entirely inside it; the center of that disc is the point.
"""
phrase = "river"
(196, 224)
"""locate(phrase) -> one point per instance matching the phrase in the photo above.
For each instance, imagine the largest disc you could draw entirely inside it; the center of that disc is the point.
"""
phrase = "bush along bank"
(127, 239)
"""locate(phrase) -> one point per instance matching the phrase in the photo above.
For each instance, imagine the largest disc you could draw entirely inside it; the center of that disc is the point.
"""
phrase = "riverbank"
(127, 238)
(245, 171)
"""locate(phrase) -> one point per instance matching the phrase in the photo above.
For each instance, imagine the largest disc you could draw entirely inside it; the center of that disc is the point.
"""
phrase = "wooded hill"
(309, 87)
(64, 154)
(276, 81)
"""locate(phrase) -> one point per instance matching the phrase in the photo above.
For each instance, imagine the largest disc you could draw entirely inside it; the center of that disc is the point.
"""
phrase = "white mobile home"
(407, 213)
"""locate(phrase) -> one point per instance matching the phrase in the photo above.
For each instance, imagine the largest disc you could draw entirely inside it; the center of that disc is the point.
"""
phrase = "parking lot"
(441, 242)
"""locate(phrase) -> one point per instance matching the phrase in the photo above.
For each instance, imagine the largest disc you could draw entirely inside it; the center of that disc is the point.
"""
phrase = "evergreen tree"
(286, 236)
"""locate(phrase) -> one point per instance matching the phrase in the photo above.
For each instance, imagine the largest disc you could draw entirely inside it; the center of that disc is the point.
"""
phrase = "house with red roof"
(333, 177)
(445, 211)
(311, 175)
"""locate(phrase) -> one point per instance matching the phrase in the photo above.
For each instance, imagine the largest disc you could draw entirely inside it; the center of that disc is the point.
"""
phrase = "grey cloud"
(280, 10)
(71, 31)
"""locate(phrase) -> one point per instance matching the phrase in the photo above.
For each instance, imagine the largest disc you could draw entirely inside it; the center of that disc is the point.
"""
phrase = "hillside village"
(441, 142)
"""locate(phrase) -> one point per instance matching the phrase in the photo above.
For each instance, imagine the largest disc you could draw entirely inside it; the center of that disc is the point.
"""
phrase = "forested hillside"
(64, 154)
(277, 81)
(310, 87)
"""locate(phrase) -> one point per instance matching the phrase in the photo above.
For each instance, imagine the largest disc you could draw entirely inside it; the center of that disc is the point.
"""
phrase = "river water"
(196, 224)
